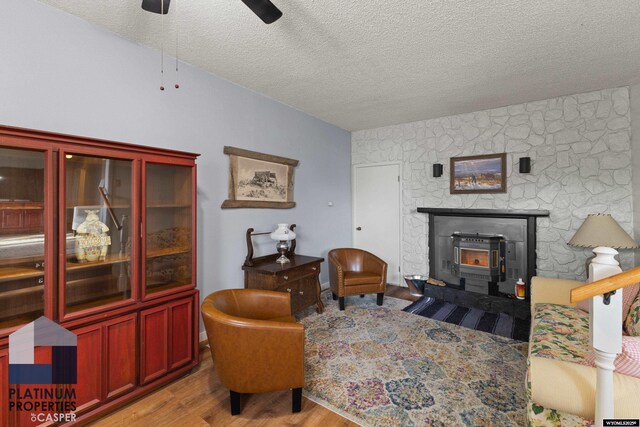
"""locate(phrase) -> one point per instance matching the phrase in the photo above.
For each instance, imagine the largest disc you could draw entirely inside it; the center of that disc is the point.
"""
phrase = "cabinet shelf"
(159, 287)
(12, 262)
(112, 259)
(18, 273)
(21, 292)
(109, 299)
(22, 205)
(97, 206)
(12, 322)
(156, 253)
(168, 205)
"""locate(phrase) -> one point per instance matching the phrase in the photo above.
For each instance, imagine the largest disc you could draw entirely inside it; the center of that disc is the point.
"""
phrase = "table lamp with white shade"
(283, 235)
(602, 233)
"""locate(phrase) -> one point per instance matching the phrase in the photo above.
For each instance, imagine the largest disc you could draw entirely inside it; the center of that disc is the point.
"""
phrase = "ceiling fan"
(265, 10)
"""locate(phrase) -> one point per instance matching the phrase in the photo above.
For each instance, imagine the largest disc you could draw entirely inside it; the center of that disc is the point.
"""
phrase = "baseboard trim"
(203, 339)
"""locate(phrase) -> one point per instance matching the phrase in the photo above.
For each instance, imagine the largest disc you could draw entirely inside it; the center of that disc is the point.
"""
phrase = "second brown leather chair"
(356, 272)
(255, 342)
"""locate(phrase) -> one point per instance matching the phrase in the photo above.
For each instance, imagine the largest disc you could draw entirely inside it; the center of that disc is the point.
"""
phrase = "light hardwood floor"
(199, 399)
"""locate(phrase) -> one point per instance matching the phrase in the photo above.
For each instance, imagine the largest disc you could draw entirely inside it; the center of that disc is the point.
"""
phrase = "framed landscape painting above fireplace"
(479, 174)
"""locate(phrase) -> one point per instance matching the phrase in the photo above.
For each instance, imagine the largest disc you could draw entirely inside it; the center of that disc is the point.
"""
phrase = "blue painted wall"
(59, 73)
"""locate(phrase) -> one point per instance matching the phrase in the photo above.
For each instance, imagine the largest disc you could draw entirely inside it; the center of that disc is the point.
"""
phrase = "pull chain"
(161, 45)
(177, 21)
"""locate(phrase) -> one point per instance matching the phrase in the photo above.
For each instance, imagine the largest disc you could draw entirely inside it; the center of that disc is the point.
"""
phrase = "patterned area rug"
(495, 323)
(380, 366)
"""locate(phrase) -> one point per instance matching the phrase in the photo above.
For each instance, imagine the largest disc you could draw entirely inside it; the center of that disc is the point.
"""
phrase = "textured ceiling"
(368, 63)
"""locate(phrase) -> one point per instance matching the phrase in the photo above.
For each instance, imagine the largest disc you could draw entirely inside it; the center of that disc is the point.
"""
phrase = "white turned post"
(605, 326)
(604, 385)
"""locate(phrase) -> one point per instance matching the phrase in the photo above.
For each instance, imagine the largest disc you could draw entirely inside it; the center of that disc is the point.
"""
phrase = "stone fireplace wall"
(581, 164)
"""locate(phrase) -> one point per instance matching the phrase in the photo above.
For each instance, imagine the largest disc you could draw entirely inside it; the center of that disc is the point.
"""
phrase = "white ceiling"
(368, 63)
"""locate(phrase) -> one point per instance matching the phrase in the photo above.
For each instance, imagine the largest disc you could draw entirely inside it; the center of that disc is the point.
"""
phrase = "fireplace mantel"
(496, 213)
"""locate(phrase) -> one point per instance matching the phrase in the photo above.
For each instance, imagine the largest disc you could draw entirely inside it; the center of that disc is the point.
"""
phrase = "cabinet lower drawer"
(293, 289)
(302, 293)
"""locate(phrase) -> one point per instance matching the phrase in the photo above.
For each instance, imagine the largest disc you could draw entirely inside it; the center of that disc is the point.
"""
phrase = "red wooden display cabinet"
(99, 237)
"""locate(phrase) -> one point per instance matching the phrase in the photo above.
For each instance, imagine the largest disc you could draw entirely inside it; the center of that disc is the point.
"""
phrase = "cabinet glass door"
(169, 223)
(97, 231)
(22, 252)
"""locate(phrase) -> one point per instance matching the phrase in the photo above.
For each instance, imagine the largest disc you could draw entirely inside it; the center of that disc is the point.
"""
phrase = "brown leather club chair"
(255, 342)
(356, 272)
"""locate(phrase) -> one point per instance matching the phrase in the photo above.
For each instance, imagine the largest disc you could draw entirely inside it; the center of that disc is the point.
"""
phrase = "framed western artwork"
(258, 180)
(479, 174)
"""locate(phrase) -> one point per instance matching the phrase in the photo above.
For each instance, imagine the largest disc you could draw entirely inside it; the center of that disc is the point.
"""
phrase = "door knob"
(358, 228)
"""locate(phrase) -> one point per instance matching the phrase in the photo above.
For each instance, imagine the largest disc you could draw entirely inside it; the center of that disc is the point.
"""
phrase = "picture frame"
(259, 180)
(478, 174)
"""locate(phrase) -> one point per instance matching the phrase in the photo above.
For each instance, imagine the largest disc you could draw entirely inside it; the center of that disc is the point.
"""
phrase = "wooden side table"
(300, 277)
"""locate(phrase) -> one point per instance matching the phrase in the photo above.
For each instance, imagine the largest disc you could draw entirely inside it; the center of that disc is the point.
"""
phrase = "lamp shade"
(602, 230)
(283, 233)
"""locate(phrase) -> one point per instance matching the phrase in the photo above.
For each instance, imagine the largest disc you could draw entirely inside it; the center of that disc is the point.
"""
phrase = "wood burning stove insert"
(479, 256)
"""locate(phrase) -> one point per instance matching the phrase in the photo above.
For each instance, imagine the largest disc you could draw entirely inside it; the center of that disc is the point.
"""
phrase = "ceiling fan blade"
(265, 10)
(154, 6)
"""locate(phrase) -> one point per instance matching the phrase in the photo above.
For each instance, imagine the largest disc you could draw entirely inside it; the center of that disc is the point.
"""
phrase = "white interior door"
(376, 214)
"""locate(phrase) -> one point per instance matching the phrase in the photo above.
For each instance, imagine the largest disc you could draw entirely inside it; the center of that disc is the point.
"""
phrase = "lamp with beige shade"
(604, 234)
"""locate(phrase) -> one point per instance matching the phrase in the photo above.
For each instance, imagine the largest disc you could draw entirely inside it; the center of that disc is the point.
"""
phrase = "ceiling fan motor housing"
(155, 6)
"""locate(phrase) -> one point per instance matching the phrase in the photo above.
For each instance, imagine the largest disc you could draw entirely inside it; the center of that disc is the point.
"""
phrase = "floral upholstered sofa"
(561, 369)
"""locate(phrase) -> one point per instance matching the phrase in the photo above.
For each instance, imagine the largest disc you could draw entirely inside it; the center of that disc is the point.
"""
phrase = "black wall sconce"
(525, 164)
(437, 170)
